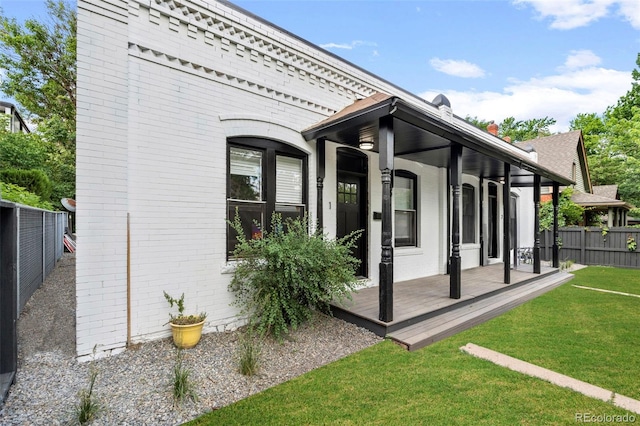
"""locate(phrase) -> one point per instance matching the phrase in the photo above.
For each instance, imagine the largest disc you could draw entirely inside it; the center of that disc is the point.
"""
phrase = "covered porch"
(429, 134)
(420, 299)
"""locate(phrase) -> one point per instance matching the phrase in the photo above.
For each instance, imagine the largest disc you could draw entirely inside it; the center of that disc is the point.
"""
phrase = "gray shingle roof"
(556, 152)
(609, 191)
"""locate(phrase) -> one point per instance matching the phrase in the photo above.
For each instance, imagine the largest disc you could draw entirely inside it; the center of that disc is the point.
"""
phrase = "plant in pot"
(186, 329)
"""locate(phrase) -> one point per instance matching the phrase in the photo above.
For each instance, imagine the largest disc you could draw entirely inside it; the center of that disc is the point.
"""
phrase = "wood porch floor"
(417, 300)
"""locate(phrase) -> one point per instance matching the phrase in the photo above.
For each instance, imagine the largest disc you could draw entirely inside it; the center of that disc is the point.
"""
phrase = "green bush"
(33, 180)
(569, 213)
(18, 194)
(282, 277)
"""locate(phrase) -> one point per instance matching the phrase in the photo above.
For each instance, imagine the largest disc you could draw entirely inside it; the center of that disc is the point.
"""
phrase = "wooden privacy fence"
(594, 246)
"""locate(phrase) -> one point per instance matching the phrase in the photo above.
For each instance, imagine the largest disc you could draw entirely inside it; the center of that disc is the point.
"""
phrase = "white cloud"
(348, 46)
(581, 59)
(561, 96)
(336, 46)
(630, 10)
(569, 14)
(457, 68)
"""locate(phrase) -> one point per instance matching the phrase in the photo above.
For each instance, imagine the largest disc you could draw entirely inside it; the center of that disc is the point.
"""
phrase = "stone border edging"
(606, 291)
(558, 379)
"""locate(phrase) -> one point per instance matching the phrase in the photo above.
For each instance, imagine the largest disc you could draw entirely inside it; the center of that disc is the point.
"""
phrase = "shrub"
(569, 213)
(34, 180)
(283, 276)
(18, 194)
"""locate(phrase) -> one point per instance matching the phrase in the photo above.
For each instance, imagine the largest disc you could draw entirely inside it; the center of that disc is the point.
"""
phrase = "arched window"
(468, 214)
(263, 176)
(405, 194)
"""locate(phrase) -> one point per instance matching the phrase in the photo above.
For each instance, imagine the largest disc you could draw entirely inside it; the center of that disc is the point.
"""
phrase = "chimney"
(492, 128)
(507, 138)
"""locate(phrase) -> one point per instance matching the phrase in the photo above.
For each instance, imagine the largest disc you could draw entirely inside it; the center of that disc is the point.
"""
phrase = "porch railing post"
(386, 143)
(506, 225)
(536, 224)
(555, 252)
(456, 181)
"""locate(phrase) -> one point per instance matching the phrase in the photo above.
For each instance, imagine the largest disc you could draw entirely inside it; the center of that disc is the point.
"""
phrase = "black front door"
(352, 204)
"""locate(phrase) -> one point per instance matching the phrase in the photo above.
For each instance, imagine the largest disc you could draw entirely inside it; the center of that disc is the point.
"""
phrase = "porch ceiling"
(426, 138)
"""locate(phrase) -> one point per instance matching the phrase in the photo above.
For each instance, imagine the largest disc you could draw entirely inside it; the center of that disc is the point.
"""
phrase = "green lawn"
(587, 335)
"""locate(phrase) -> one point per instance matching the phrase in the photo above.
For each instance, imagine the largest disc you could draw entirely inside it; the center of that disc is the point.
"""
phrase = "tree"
(39, 60)
(624, 107)
(480, 124)
(525, 130)
(612, 142)
(569, 213)
(39, 151)
(522, 130)
(593, 130)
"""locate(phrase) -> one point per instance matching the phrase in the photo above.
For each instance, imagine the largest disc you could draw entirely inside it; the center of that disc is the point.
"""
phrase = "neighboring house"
(16, 123)
(563, 153)
(606, 201)
(190, 110)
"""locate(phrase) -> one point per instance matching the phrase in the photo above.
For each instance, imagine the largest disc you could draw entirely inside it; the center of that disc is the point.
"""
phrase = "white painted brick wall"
(101, 176)
(159, 93)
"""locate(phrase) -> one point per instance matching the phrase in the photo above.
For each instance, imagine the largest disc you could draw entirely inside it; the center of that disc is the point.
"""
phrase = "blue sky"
(491, 58)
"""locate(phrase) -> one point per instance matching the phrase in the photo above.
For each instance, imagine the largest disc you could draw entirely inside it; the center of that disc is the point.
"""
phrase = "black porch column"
(320, 173)
(386, 143)
(555, 250)
(506, 224)
(536, 224)
(481, 215)
(455, 170)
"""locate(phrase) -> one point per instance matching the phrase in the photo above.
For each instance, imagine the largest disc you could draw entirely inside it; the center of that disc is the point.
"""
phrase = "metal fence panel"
(49, 246)
(30, 254)
(40, 245)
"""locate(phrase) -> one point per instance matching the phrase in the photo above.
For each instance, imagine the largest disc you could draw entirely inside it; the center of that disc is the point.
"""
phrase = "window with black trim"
(468, 214)
(263, 177)
(405, 195)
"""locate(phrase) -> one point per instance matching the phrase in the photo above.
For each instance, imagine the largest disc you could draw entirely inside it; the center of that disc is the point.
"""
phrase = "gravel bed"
(134, 387)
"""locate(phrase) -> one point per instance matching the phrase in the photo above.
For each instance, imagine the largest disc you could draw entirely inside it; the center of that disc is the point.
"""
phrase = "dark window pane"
(292, 212)
(405, 228)
(252, 219)
(468, 214)
(403, 193)
(245, 174)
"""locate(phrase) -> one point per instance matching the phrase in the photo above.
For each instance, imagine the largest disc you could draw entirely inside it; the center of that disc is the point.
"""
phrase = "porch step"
(431, 330)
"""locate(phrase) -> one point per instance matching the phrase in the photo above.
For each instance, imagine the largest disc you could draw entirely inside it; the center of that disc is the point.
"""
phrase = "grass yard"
(588, 335)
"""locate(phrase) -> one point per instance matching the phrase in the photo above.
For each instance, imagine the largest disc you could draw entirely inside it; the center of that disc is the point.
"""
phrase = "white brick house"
(179, 100)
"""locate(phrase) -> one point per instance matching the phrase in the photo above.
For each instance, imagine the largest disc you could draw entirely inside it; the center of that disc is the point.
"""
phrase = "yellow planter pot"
(186, 336)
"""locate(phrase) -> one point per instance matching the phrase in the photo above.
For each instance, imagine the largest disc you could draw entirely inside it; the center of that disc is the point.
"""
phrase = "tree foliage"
(18, 194)
(25, 152)
(524, 130)
(34, 180)
(593, 128)
(39, 60)
(517, 130)
(569, 213)
(613, 143)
